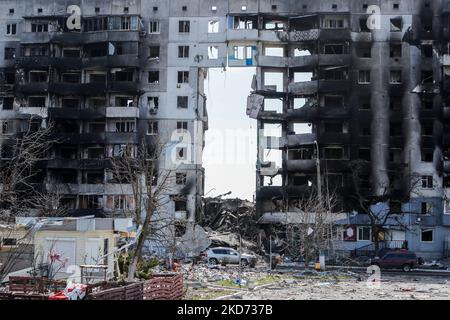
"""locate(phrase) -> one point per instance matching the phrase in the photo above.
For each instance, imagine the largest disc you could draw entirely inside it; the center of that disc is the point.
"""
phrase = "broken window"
(90, 202)
(36, 102)
(152, 128)
(182, 126)
(125, 75)
(334, 49)
(184, 26)
(71, 78)
(125, 126)
(183, 77)
(213, 26)
(333, 153)
(299, 180)
(36, 51)
(153, 103)
(427, 182)
(183, 51)
(396, 24)
(363, 25)
(97, 78)
(245, 22)
(427, 155)
(427, 103)
(333, 127)
(6, 127)
(213, 52)
(363, 50)
(364, 76)
(39, 27)
(427, 50)
(123, 102)
(395, 206)
(10, 53)
(180, 178)
(364, 154)
(153, 52)
(71, 53)
(395, 50)
(11, 29)
(364, 103)
(153, 26)
(7, 103)
(334, 180)
(123, 202)
(427, 235)
(274, 105)
(333, 23)
(395, 129)
(427, 76)
(96, 152)
(396, 155)
(182, 102)
(274, 25)
(395, 77)
(153, 77)
(427, 129)
(305, 153)
(395, 103)
(426, 208)
(93, 177)
(335, 73)
(38, 76)
(180, 205)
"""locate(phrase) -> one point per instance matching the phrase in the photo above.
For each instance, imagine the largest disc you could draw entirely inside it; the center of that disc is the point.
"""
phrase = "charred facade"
(334, 98)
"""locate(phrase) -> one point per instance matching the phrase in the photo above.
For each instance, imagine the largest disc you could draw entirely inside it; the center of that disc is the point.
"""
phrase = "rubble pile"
(230, 218)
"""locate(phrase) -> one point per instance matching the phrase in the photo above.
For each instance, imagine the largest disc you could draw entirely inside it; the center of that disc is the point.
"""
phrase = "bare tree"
(402, 185)
(311, 229)
(138, 170)
(18, 189)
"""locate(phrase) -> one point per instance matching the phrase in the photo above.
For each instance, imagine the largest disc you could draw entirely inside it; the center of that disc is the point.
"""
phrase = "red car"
(397, 259)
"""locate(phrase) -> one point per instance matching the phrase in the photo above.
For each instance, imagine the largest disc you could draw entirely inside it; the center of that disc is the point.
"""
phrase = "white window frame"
(154, 27)
(363, 227)
(426, 177)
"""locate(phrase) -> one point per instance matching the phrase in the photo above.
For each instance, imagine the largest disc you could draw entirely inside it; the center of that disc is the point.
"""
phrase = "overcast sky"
(230, 151)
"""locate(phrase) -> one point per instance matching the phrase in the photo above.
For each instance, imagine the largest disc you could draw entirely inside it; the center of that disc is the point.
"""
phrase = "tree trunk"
(140, 245)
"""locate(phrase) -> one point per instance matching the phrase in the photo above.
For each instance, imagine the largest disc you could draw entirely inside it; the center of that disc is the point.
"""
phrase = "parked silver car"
(227, 256)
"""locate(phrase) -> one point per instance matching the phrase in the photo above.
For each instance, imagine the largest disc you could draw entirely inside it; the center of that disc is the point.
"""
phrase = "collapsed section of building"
(350, 98)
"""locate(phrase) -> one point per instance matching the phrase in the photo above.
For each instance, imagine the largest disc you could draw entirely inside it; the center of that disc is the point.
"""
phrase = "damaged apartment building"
(330, 91)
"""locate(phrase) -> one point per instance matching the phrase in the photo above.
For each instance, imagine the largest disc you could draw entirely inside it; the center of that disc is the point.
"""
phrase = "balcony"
(131, 87)
(82, 114)
(57, 62)
(126, 60)
(81, 138)
(121, 137)
(314, 86)
(33, 88)
(242, 34)
(295, 140)
(269, 192)
(272, 62)
(122, 112)
(304, 35)
(313, 113)
(333, 137)
(308, 165)
(111, 36)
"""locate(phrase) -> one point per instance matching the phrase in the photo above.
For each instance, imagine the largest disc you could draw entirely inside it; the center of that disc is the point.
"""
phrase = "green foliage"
(144, 267)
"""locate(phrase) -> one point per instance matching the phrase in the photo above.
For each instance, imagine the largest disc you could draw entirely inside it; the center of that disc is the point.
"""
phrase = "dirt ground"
(390, 289)
(260, 284)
